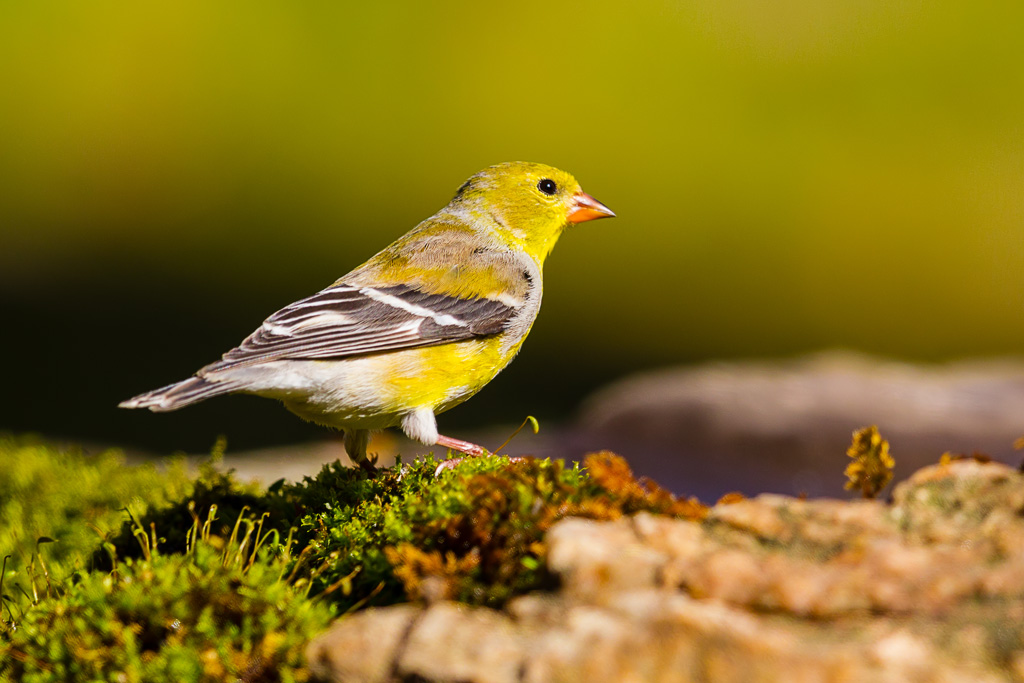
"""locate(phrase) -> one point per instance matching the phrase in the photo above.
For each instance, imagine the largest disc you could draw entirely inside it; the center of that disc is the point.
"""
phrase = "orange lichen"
(626, 494)
(430, 575)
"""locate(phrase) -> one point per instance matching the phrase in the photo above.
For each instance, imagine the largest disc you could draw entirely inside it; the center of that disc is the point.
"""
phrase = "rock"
(479, 645)
(780, 426)
(929, 587)
(363, 654)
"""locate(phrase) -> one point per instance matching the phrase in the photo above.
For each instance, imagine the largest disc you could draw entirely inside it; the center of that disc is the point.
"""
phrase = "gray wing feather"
(344, 321)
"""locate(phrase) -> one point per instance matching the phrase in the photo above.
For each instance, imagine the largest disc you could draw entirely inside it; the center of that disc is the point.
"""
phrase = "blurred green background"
(788, 176)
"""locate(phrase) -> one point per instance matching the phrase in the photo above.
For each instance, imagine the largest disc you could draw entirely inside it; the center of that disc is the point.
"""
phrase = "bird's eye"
(547, 186)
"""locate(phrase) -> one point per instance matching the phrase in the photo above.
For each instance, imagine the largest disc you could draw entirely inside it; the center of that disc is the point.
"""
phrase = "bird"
(418, 328)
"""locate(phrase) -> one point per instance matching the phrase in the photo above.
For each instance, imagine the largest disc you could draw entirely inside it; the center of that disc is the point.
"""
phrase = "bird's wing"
(348, 320)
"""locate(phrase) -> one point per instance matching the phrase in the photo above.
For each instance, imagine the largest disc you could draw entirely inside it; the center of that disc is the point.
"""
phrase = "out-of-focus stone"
(927, 588)
(362, 647)
(478, 645)
(601, 558)
(759, 426)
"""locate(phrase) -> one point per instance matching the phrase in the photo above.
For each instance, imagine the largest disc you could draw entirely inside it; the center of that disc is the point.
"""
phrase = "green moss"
(189, 596)
(73, 497)
(169, 617)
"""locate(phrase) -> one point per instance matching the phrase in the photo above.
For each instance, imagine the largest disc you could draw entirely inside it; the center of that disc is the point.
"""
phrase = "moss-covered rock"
(929, 587)
(140, 574)
(474, 533)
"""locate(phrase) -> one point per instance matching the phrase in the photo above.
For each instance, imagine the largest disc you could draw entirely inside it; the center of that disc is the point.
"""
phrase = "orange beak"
(586, 208)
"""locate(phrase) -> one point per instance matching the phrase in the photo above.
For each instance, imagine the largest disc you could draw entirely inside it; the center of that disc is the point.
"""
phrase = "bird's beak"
(586, 208)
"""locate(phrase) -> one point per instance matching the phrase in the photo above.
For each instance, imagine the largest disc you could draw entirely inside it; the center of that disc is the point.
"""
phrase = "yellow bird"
(417, 329)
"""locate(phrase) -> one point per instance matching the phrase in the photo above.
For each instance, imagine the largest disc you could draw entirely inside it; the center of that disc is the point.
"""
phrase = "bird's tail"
(179, 394)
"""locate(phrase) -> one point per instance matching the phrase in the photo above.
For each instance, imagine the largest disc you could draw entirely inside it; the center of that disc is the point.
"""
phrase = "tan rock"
(363, 646)
(477, 644)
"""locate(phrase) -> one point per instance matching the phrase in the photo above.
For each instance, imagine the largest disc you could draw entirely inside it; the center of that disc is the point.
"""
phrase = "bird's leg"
(470, 449)
(356, 441)
(421, 425)
(461, 446)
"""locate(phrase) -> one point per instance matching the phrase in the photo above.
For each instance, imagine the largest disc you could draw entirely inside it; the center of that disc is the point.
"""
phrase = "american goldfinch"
(417, 329)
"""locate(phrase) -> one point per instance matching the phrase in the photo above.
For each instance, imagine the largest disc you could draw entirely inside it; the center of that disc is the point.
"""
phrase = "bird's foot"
(470, 449)
(368, 463)
(451, 463)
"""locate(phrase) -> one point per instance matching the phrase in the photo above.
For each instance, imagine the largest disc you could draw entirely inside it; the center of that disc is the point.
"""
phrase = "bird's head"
(528, 204)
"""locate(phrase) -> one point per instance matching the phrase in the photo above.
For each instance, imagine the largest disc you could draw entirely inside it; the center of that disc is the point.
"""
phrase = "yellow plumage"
(418, 328)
